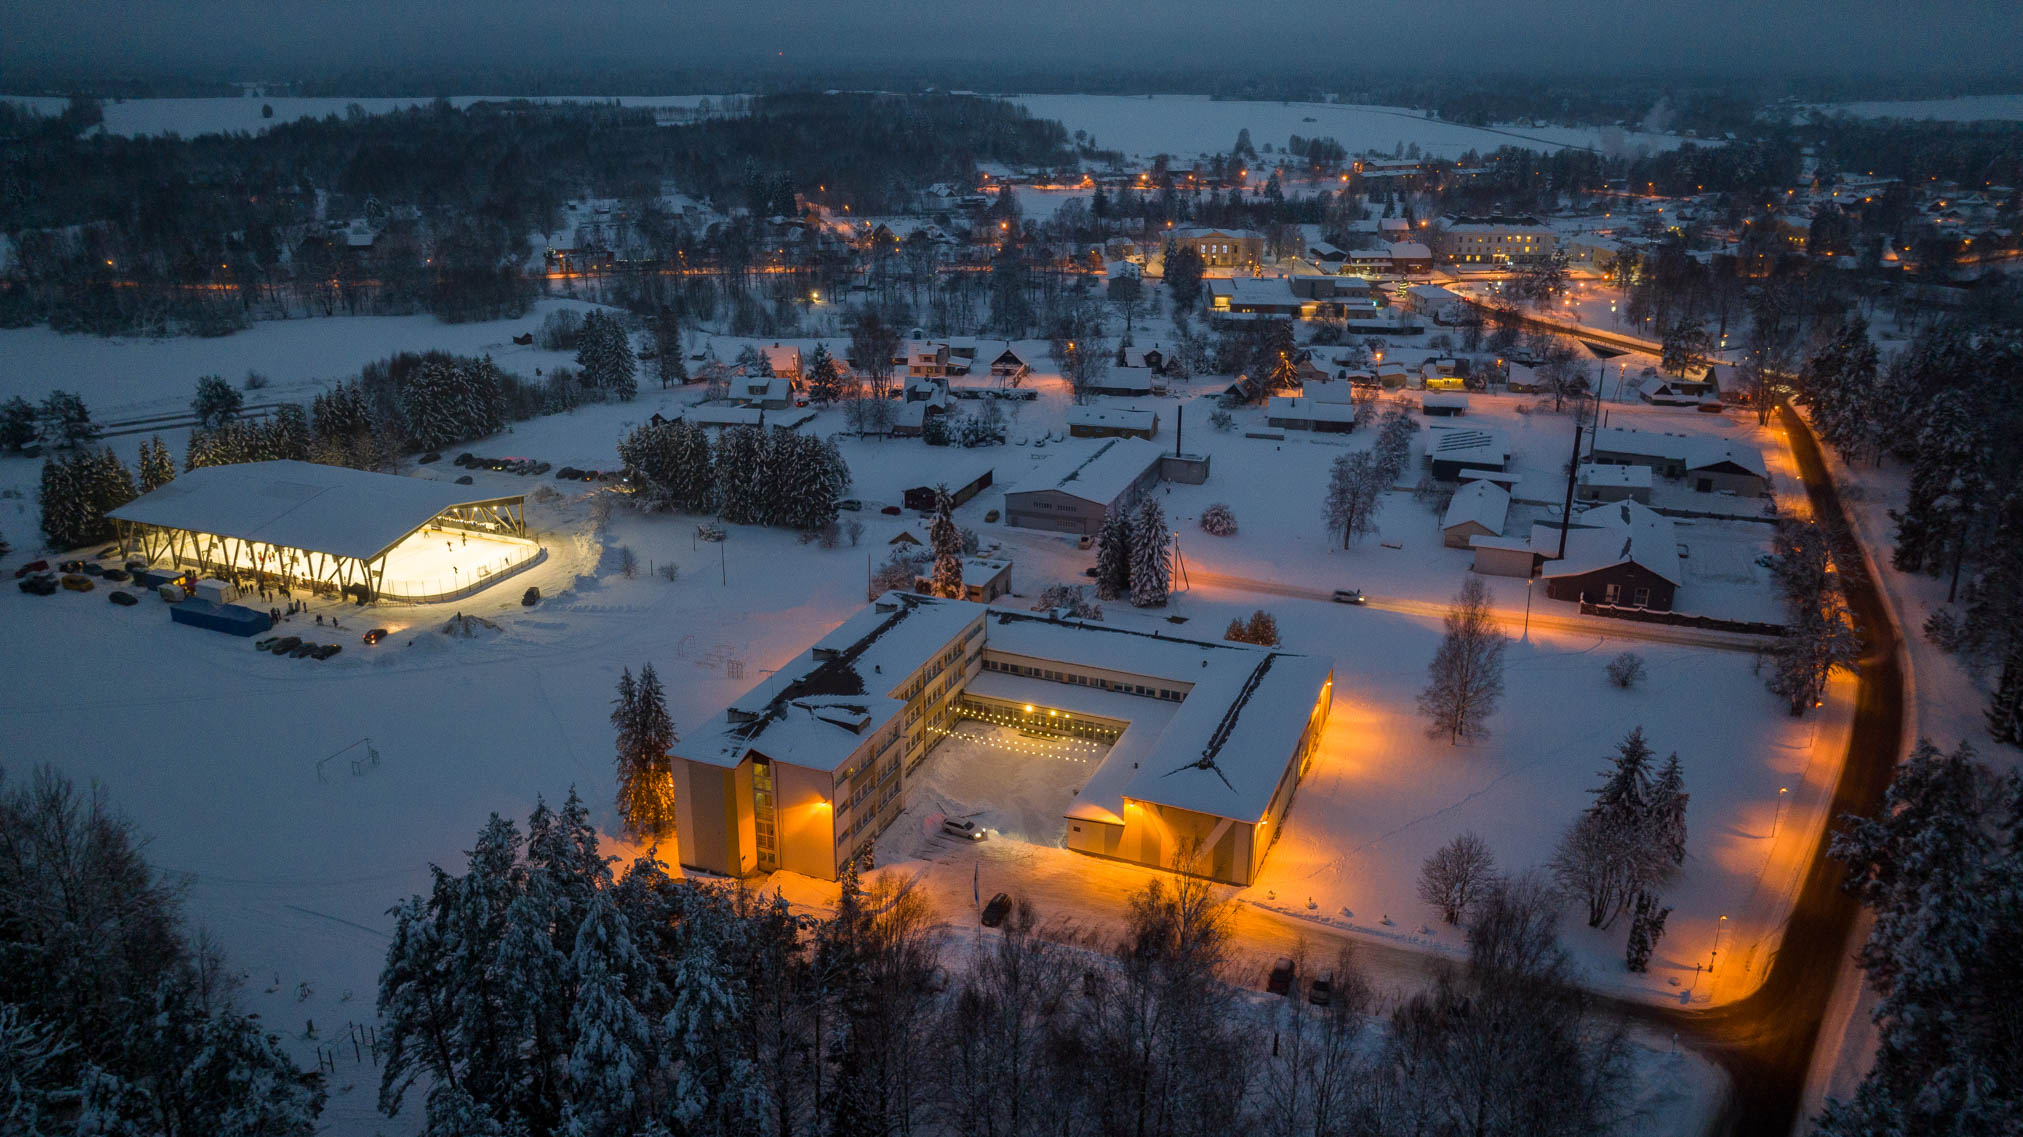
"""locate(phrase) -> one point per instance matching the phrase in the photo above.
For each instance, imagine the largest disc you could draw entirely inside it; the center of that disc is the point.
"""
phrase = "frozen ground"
(190, 117)
(1189, 125)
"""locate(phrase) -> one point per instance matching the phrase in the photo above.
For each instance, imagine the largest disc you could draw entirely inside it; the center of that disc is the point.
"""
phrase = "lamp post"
(1719, 927)
(1528, 581)
(1778, 817)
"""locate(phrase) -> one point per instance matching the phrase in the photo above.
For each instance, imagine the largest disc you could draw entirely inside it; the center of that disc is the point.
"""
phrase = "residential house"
(1009, 366)
(963, 482)
(771, 392)
(1437, 304)
(1706, 464)
(925, 359)
(982, 580)
(1301, 413)
(1478, 509)
(1495, 239)
(1453, 451)
(1597, 482)
(1625, 555)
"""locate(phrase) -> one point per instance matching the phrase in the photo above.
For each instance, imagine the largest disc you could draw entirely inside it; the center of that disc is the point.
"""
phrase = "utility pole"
(1572, 471)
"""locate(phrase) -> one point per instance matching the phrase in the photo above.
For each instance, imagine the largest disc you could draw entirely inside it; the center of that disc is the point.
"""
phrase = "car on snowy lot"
(964, 828)
(77, 582)
(465, 480)
(891, 511)
(1349, 596)
(124, 599)
(431, 456)
(530, 597)
(117, 576)
(285, 644)
(463, 459)
(1322, 990)
(1279, 982)
(1084, 541)
(40, 585)
(90, 569)
(71, 566)
(374, 636)
(851, 504)
(995, 911)
(302, 650)
(31, 567)
(325, 652)
(540, 468)
(264, 642)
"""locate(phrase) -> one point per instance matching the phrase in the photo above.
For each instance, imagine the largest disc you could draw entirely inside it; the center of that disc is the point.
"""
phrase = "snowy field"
(1188, 125)
(1967, 108)
(190, 117)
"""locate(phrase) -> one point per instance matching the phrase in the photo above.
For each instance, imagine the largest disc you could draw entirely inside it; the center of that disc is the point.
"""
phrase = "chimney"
(1179, 427)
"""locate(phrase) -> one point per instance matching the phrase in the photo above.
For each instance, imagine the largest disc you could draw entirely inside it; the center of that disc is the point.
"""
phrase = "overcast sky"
(289, 38)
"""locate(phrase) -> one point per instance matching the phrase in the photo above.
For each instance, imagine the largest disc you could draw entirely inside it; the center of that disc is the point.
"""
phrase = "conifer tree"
(217, 402)
(1151, 566)
(946, 541)
(824, 376)
(1113, 556)
(612, 1058)
(740, 496)
(665, 331)
(645, 773)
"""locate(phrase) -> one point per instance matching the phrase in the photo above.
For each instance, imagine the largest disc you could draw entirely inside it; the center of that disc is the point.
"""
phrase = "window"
(1641, 598)
(1612, 594)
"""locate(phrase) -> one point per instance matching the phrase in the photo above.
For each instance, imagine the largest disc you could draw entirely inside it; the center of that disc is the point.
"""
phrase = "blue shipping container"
(232, 619)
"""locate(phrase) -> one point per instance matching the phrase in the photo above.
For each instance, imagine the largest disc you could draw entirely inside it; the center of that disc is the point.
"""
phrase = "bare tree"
(1465, 679)
(1084, 361)
(1457, 875)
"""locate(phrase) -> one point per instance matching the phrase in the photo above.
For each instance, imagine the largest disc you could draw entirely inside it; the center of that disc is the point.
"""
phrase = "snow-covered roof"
(1311, 409)
(1605, 474)
(1101, 476)
(1222, 752)
(760, 388)
(302, 505)
(1431, 292)
(1467, 443)
(1482, 503)
(1445, 400)
(1410, 251)
(1695, 451)
(1114, 418)
(1624, 532)
(785, 419)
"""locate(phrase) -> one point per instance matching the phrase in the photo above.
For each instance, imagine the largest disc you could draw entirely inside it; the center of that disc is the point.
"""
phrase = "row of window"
(1078, 679)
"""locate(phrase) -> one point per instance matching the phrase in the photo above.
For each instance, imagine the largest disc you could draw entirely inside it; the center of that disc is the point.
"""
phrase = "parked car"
(31, 567)
(431, 456)
(71, 566)
(285, 644)
(465, 480)
(301, 650)
(962, 827)
(540, 468)
(40, 585)
(77, 582)
(117, 576)
(1279, 982)
(91, 569)
(463, 459)
(374, 636)
(851, 504)
(530, 597)
(1090, 571)
(890, 511)
(124, 599)
(264, 642)
(1349, 596)
(995, 911)
(1084, 541)
(990, 516)
(1322, 990)
(326, 651)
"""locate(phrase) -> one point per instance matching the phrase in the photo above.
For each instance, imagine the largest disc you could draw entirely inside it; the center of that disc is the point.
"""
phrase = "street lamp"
(1527, 607)
(1719, 927)
(1779, 815)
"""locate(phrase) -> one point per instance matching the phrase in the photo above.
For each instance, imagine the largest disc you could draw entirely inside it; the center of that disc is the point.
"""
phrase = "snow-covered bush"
(1218, 520)
(1626, 670)
(1222, 420)
(1073, 597)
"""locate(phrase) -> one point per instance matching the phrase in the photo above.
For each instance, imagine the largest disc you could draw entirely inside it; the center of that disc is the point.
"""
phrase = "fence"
(405, 591)
(1681, 619)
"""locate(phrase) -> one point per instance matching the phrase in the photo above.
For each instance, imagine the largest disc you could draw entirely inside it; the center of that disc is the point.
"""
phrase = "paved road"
(1513, 620)
(1766, 1041)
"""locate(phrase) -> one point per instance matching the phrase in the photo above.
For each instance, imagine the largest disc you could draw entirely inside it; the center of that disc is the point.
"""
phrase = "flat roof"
(1100, 476)
(1130, 418)
(302, 505)
(1223, 750)
(1315, 410)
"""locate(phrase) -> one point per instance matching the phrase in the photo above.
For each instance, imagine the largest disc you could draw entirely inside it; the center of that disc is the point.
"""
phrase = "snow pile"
(465, 627)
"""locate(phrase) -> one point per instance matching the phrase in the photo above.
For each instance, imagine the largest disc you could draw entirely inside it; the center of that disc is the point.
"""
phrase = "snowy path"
(1511, 620)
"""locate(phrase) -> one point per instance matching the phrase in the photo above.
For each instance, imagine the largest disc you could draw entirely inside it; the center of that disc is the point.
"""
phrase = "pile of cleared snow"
(465, 627)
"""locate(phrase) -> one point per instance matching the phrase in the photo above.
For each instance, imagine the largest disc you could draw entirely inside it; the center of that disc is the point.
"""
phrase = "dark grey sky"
(259, 38)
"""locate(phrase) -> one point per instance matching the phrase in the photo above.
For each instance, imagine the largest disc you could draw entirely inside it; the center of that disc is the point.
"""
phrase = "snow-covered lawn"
(1188, 125)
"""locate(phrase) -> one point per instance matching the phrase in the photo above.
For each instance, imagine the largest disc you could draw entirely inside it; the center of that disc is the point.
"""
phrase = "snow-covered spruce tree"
(664, 333)
(432, 399)
(1113, 556)
(612, 1059)
(17, 423)
(1669, 798)
(1941, 867)
(1465, 678)
(1456, 875)
(1355, 484)
(736, 462)
(1948, 485)
(645, 773)
(812, 506)
(691, 474)
(824, 376)
(1631, 839)
(771, 475)
(1151, 563)
(1072, 597)
(946, 541)
(64, 420)
(1647, 927)
(650, 454)
(1393, 449)
(288, 431)
(2005, 706)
